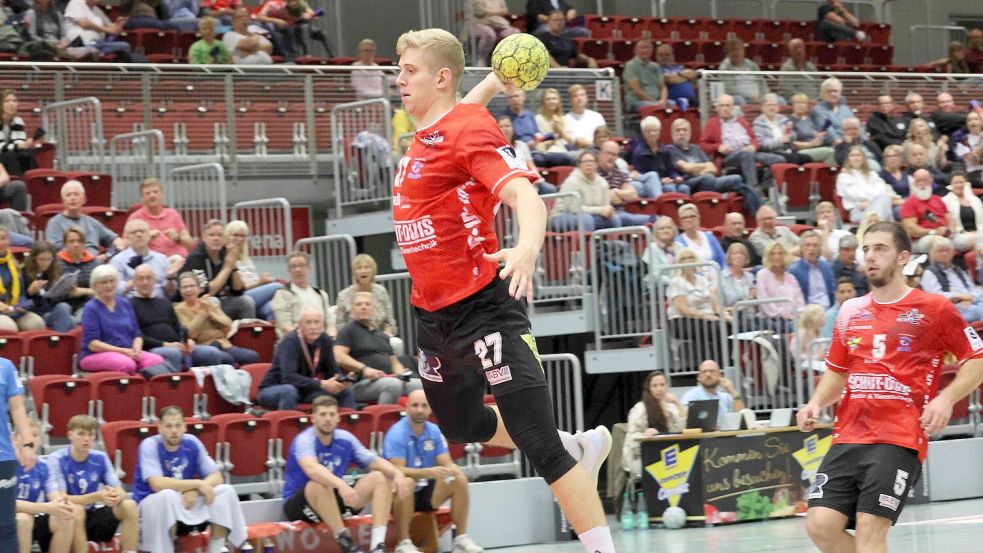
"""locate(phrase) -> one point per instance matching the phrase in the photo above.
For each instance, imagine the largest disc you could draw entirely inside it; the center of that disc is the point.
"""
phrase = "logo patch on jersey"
(499, 375)
(511, 159)
(863, 315)
(888, 501)
(429, 367)
(854, 342)
(904, 342)
(432, 139)
(974, 339)
(416, 235)
(816, 491)
(912, 317)
(415, 167)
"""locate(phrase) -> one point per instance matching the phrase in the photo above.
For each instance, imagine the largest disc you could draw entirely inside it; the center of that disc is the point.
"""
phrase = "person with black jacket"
(215, 267)
(884, 126)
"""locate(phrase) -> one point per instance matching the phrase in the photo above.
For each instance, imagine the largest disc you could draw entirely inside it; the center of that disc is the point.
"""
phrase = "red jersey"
(931, 213)
(892, 354)
(445, 195)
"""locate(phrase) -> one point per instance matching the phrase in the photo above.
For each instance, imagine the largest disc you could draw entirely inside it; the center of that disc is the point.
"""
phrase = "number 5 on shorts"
(491, 342)
(900, 483)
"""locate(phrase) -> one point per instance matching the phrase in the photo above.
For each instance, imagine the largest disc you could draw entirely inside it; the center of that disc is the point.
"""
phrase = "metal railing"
(133, 158)
(400, 287)
(685, 341)
(562, 268)
(626, 306)
(760, 353)
(810, 369)
(270, 232)
(198, 193)
(948, 34)
(75, 128)
(361, 134)
(331, 259)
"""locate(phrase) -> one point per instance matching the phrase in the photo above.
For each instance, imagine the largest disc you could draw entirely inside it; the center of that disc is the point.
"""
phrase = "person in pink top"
(774, 281)
(168, 235)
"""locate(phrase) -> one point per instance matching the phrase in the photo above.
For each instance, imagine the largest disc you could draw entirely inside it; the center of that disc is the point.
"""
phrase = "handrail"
(928, 36)
(878, 9)
(713, 7)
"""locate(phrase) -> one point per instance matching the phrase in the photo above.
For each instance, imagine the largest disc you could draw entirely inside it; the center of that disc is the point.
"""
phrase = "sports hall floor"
(951, 527)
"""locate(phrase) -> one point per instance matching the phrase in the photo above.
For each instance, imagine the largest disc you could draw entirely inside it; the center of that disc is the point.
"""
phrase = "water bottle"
(627, 514)
(268, 546)
(246, 548)
(642, 515)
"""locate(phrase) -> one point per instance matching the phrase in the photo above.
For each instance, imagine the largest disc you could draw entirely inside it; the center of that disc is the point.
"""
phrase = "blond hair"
(440, 48)
(766, 257)
(231, 229)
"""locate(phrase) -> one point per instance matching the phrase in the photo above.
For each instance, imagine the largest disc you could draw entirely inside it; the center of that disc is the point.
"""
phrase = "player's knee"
(477, 425)
(314, 490)
(871, 528)
(79, 517)
(25, 522)
(59, 524)
(129, 509)
(821, 530)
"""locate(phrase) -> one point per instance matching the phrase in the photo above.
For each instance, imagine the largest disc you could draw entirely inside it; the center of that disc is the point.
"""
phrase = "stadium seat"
(211, 403)
(632, 28)
(601, 26)
(285, 427)
(358, 424)
(659, 28)
(122, 443)
(98, 186)
(772, 30)
(258, 336)
(178, 389)
(712, 50)
(622, 50)
(769, 53)
(561, 265)
(746, 29)
(825, 53)
(825, 178)
(207, 433)
(381, 418)
(155, 41)
(50, 352)
(717, 29)
(879, 54)
(689, 28)
(685, 50)
(668, 204)
(44, 186)
(712, 206)
(877, 33)
(518, 20)
(256, 373)
(795, 182)
(12, 348)
(119, 397)
(556, 175)
(58, 398)
(796, 28)
(599, 49)
(853, 53)
(244, 438)
(113, 219)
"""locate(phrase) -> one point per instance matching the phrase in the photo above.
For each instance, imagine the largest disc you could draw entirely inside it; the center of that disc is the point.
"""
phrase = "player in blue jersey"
(87, 477)
(418, 448)
(48, 523)
(12, 402)
(179, 489)
(313, 488)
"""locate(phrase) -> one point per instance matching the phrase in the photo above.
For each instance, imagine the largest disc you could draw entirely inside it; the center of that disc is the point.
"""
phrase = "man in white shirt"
(247, 48)
(580, 121)
(290, 301)
(87, 22)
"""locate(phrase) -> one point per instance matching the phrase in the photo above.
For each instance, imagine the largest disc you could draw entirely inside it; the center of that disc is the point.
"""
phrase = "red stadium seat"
(826, 53)
(98, 186)
(358, 424)
(659, 28)
(795, 182)
(769, 53)
(879, 54)
(207, 432)
(712, 208)
(518, 20)
(690, 28)
(122, 442)
(113, 219)
(58, 398)
(601, 26)
(773, 31)
(685, 50)
(796, 28)
(853, 54)
(50, 352)
(746, 29)
(712, 50)
(256, 372)
(285, 427)
(257, 336)
(212, 403)
(382, 417)
(632, 28)
(561, 263)
(178, 389)
(717, 29)
(598, 49)
(556, 175)
(622, 50)
(244, 438)
(118, 396)
(156, 41)
(12, 348)
(668, 204)
(878, 33)
(44, 186)
(825, 178)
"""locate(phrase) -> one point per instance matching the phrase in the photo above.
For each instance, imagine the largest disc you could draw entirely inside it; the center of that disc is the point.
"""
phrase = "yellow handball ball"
(521, 60)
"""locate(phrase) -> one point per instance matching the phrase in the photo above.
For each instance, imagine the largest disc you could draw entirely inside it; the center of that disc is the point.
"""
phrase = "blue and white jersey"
(190, 461)
(33, 485)
(343, 450)
(419, 452)
(10, 386)
(81, 477)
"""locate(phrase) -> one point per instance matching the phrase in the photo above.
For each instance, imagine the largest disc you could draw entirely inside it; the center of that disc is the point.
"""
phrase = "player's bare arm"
(938, 411)
(520, 261)
(827, 392)
(484, 91)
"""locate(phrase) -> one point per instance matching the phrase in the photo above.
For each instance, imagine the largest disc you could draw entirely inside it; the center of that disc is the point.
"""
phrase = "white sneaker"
(406, 546)
(464, 544)
(596, 444)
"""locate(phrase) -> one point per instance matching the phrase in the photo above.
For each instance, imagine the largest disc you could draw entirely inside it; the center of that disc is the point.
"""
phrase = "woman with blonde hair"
(808, 327)
(774, 281)
(694, 309)
(935, 151)
(863, 191)
(259, 286)
(364, 271)
(736, 281)
(549, 119)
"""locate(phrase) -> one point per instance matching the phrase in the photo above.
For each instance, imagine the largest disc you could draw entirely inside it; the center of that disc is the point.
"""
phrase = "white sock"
(571, 444)
(215, 545)
(459, 537)
(378, 535)
(597, 540)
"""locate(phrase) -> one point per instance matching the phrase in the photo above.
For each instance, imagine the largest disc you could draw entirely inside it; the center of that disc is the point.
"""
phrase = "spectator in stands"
(653, 164)
(208, 49)
(916, 110)
(702, 242)
(925, 217)
(732, 138)
(562, 49)
(304, 368)
(894, 173)
(853, 139)
(679, 80)
(847, 265)
(552, 125)
(16, 151)
(769, 231)
(89, 26)
(935, 150)
(418, 449)
(183, 14)
(205, 321)
(161, 330)
(75, 258)
(538, 13)
(168, 234)
(913, 272)
(314, 490)
(828, 229)
(814, 274)
(862, 190)
(490, 26)
(774, 131)
(215, 266)
(735, 231)
(299, 294)
(736, 281)
(955, 61)
(644, 85)
(623, 187)
(964, 204)
(712, 384)
(748, 87)
(286, 20)
(809, 327)
(250, 48)
(364, 348)
(974, 51)
(798, 61)
(659, 411)
(945, 278)
(831, 110)
(523, 121)
(86, 477)
(947, 117)
(46, 25)
(96, 234)
(967, 147)
(806, 137)
(180, 490)
(259, 286)
(364, 271)
(137, 234)
(885, 127)
(523, 154)
(223, 10)
(601, 135)
(50, 524)
(40, 274)
(111, 338)
(15, 300)
(694, 309)
(834, 23)
(663, 248)
(146, 14)
(844, 290)
(916, 157)
(594, 211)
(701, 174)
(580, 121)
(774, 281)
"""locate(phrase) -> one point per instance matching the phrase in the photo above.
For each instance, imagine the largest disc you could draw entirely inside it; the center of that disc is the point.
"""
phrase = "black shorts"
(100, 524)
(297, 508)
(182, 529)
(866, 478)
(41, 534)
(423, 498)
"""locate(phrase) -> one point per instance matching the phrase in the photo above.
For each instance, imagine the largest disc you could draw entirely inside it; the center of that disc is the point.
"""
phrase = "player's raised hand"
(936, 415)
(807, 417)
(520, 264)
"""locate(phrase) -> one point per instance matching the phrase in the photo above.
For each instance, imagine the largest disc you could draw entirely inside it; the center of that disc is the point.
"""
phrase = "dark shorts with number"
(866, 478)
(485, 341)
(100, 524)
(41, 534)
(297, 508)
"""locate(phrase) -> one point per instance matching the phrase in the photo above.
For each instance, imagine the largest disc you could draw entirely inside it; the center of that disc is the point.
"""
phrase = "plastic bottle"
(627, 514)
(268, 546)
(642, 514)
